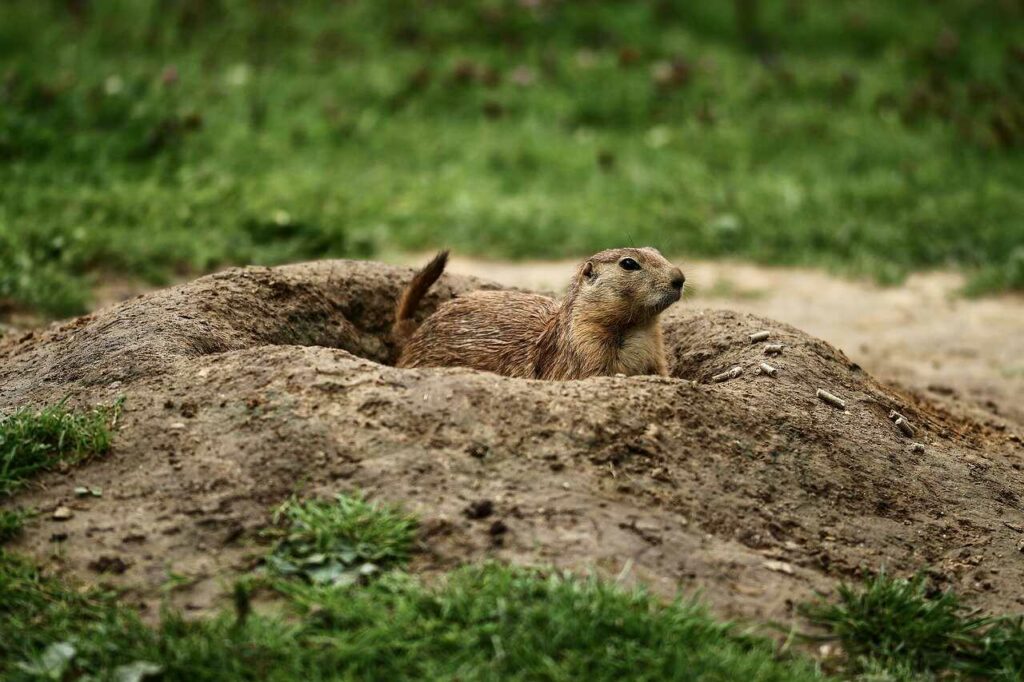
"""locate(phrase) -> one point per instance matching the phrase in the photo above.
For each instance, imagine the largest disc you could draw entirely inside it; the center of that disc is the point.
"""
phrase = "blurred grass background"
(147, 138)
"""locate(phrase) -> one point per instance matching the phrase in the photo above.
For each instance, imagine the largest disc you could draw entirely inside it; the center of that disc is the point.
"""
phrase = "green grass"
(906, 626)
(147, 138)
(11, 523)
(500, 623)
(340, 542)
(33, 441)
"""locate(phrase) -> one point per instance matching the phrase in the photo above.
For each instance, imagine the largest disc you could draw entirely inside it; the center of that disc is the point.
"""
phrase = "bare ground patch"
(252, 385)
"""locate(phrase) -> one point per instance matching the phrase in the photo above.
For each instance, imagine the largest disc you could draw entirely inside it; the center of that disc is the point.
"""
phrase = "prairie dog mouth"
(663, 300)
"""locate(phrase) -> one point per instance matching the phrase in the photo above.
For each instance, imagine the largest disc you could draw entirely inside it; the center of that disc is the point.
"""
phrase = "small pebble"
(728, 374)
(82, 491)
(62, 514)
(833, 400)
(779, 567)
(917, 447)
(905, 427)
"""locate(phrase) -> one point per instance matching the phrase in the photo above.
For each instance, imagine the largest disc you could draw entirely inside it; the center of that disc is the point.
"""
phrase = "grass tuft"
(340, 541)
(34, 441)
(904, 625)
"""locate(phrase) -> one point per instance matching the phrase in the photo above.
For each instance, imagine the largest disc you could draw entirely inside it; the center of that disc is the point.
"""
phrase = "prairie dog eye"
(629, 264)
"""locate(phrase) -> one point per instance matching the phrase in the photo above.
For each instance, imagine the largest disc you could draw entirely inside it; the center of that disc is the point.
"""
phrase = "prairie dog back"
(492, 331)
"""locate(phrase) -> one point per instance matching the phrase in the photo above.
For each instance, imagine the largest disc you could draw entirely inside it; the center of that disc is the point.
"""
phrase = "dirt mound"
(249, 386)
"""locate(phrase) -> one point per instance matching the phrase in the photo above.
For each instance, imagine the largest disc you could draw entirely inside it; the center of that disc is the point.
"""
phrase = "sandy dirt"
(252, 385)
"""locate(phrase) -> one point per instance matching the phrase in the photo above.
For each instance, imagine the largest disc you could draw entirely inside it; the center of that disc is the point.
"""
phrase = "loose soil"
(250, 386)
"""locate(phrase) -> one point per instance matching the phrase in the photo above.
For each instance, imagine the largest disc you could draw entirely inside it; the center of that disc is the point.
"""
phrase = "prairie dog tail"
(405, 325)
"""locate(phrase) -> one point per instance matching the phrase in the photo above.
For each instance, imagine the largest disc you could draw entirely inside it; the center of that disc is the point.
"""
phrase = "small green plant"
(34, 441)
(904, 625)
(338, 542)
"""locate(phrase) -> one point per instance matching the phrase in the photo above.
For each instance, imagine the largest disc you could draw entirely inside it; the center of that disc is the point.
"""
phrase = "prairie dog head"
(621, 288)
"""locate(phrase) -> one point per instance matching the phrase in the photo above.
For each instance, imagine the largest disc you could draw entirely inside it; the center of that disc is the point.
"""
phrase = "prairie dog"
(606, 324)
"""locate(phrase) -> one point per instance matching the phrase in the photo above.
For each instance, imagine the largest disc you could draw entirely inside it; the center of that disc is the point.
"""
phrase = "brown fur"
(405, 325)
(607, 323)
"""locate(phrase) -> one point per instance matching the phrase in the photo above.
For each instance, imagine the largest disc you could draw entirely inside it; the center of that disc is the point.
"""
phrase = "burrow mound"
(250, 386)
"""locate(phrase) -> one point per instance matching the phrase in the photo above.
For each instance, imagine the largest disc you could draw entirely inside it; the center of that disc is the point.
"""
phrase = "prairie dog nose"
(678, 279)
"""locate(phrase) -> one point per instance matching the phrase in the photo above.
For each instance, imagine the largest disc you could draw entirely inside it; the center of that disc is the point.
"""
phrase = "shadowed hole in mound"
(350, 308)
(361, 327)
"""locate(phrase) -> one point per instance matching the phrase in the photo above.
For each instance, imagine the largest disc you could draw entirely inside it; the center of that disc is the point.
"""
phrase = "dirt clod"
(477, 450)
(109, 564)
(480, 509)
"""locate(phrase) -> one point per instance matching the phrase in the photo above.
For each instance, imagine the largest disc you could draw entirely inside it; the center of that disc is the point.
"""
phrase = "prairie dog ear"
(588, 270)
